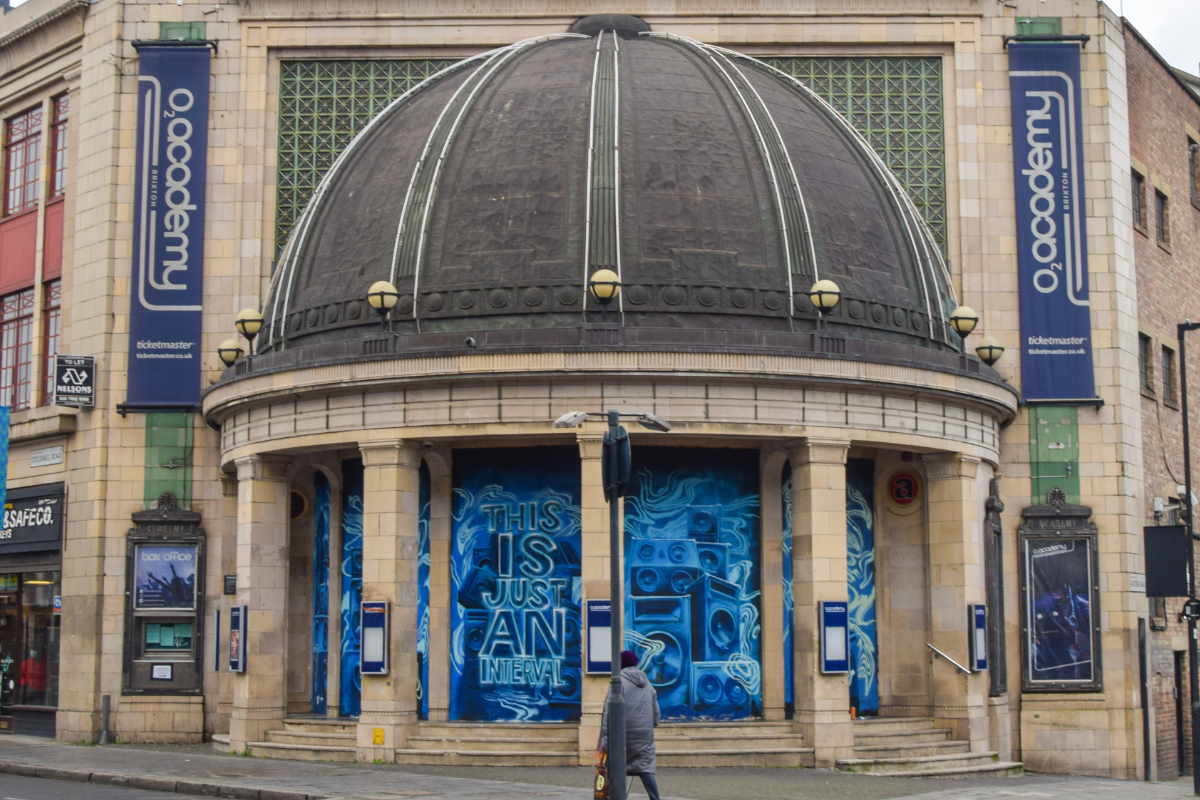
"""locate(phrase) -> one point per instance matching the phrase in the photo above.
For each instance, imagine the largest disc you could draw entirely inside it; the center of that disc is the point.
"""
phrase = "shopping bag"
(601, 783)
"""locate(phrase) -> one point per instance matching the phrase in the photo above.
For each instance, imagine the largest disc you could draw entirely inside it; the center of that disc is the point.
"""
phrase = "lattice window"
(322, 105)
(897, 104)
(58, 146)
(22, 160)
(51, 332)
(16, 349)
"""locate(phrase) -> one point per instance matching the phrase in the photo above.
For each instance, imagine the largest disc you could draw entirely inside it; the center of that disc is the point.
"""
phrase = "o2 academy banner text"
(168, 226)
(1056, 329)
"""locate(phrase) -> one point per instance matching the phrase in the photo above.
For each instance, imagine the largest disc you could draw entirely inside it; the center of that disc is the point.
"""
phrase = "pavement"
(42, 769)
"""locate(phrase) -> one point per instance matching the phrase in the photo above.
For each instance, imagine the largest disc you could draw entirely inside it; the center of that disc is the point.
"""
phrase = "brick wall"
(1168, 278)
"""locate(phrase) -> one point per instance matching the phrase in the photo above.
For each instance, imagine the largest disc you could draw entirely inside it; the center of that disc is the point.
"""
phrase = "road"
(15, 787)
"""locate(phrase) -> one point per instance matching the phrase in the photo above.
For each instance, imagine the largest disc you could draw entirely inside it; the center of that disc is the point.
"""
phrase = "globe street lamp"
(248, 323)
(383, 297)
(825, 295)
(229, 352)
(964, 319)
(989, 350)
(615, 469)
(604, 286)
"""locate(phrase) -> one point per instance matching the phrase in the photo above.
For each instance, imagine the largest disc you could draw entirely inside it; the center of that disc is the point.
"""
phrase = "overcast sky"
(1172, 26)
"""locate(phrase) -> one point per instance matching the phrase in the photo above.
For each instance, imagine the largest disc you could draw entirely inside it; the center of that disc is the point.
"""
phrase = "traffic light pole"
(616, 702)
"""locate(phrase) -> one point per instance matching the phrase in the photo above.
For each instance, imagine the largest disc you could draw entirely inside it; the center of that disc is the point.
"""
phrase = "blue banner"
(860, 585)
(1056, 328)
(166, 293)
(517, 584)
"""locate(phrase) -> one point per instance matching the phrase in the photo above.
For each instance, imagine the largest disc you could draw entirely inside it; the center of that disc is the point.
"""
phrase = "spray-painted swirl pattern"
(352, 557)
(860, 579)
(320, 630)
(517, 585)
(423, 562)
(692, 598)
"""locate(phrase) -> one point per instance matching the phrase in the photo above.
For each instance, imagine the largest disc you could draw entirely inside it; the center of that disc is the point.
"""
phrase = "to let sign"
(75, 381)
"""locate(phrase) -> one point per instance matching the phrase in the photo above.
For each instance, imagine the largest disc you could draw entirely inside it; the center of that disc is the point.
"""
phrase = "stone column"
(770, 478)
(439, 582)
(259, 702)
(594, 544)
(390, 515)
(955, 579)
(822, 711)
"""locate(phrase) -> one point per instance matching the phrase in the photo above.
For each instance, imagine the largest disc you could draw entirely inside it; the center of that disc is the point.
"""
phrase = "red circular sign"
(904, 489)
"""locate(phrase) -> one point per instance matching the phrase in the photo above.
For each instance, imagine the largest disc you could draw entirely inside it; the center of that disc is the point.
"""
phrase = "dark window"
(16, 349)
(1194, 169)
(1144, 360)
(1139, 210)
(51, 327)
(22, 160)
(1168, 376)
(1161, 220)
(58, 143)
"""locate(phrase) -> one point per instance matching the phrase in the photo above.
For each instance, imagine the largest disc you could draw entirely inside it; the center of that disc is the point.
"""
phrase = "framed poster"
(1060, 615)
(165, 576)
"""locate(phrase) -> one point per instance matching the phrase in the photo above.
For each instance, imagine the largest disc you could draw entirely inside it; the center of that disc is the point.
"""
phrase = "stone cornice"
(951, 466)
(570, 9)
(43, 35)
(390, 453)
(819, 451)
(997, 401)
(262, 468)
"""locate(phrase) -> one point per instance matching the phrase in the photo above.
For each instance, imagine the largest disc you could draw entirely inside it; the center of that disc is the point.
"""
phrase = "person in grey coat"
(641, 717)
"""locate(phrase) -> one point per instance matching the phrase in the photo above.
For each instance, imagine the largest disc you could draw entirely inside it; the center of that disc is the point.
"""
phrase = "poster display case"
(164, 597)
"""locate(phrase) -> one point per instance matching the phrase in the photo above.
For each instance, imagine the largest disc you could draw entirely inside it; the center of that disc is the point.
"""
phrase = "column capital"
(228, 485)
(262, 468)
(591, 444)
(950, 466)
(390, 453)
(818, 451)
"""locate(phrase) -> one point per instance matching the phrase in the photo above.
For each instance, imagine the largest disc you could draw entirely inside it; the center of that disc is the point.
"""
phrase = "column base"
(251, 725)
(1000, 727)
(967, 723)
(380, 734)
(829, 733)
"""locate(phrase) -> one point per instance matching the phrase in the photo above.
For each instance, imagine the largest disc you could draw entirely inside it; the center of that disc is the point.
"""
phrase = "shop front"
(30, 608)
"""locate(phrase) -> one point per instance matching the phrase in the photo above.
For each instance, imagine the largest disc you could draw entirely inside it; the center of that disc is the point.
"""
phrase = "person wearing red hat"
(641, 717)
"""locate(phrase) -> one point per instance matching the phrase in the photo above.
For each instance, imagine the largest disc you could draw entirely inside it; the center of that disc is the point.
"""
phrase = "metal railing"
(957, 665)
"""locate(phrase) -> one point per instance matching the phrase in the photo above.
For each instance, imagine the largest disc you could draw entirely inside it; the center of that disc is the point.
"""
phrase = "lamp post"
(382, 297)
(825, 295)
(614, 466)
(1181, 329)
(248, 323)
(604, 285)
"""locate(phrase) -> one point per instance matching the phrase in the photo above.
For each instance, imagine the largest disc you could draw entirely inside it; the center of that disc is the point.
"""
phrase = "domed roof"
(718, 188)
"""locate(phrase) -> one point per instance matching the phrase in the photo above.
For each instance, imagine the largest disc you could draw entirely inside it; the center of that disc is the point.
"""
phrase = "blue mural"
(423, 562)
(352, 543)
(692, 579)
(320, 629)
(789, 613)
(516, 584)
(860, 579)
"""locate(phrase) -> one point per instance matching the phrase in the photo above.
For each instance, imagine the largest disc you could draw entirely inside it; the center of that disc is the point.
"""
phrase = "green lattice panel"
(896, 103)
(322, 105)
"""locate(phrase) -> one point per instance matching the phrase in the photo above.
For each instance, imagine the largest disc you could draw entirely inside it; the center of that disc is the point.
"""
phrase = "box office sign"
(168, 225)
(33, 519)
(165, 576)
(1047, 120)
(1060, 594)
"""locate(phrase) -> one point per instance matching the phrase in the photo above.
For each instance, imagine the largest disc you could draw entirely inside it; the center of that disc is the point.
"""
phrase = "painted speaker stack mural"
(516, 584)
(692, 580)
(860, 585)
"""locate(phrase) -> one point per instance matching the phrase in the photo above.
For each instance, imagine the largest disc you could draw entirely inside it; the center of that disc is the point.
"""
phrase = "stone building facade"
(284, 457)
(1164, 120)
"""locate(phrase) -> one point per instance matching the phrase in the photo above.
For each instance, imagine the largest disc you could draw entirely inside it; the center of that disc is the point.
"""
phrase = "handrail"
(960, 667)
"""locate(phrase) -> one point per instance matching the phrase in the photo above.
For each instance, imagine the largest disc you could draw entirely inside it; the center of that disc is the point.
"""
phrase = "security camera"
(471, 343)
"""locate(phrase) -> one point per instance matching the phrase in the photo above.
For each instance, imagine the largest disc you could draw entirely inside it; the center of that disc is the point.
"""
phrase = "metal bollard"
(105, 709)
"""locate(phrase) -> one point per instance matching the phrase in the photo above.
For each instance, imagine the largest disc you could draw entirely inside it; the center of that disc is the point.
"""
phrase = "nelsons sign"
(168, 225)
(1056, 345)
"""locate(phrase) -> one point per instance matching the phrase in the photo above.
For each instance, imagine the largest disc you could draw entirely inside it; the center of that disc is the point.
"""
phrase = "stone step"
(727, 729)
(911, 750)
(524, 731)
(1000, 769)
(320, 725)
(311, 738)
(903, 766)
(422, 741)
(900, 738)
(726, 757)
(673, 743)
(220, 742)
(881, 724)
(487, 758)
(301, 752)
